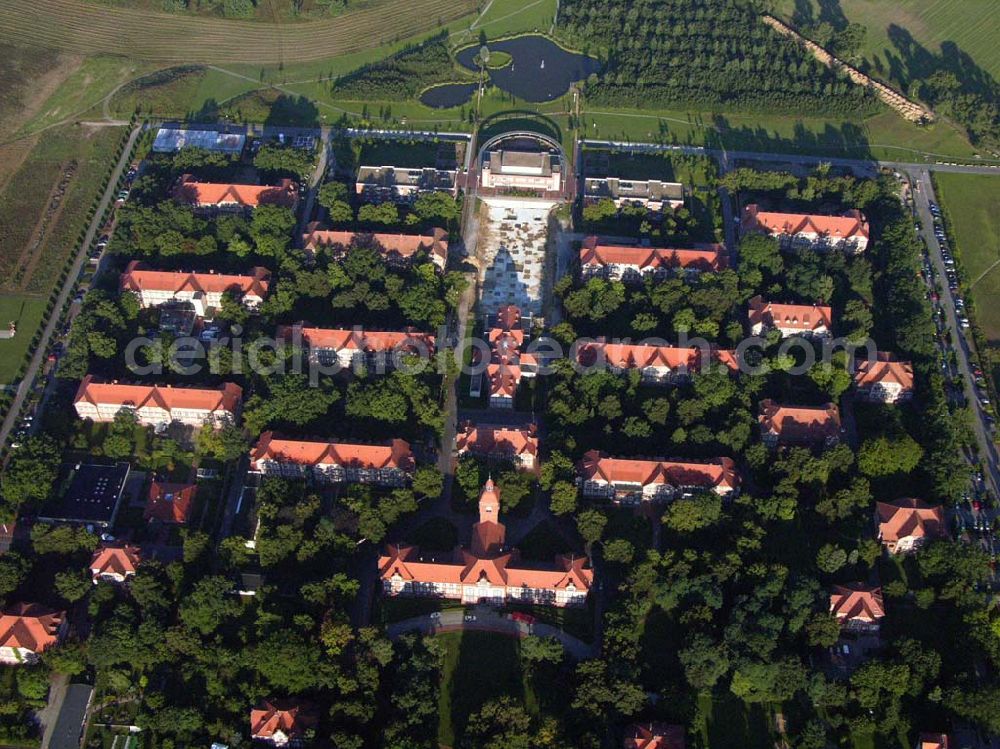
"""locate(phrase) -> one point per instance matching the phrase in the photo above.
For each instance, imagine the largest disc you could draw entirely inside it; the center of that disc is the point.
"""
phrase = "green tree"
(704, 662)
(590, 524)
(830, 558)
(428, 482)
(700, 511)
(72, 584)
(13, 570)
(225, 443)
(285, 161)
(120, 440)
(564, 497)
(30, 473)
(887, 456)
(209, 605)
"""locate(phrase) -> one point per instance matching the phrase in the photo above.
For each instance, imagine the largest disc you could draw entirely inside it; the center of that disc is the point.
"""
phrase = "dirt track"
(87, 28)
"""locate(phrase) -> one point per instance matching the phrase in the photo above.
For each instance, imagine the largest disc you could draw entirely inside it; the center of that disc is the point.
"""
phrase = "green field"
(884, 136)
(27, 312)
(906, 40)
(478, 666)
(26, 217)
(85, 28)
(972, 208)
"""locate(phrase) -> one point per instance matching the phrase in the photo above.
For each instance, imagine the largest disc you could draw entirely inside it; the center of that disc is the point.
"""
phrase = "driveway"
(487, 620)
(68, 729)
(48, 715)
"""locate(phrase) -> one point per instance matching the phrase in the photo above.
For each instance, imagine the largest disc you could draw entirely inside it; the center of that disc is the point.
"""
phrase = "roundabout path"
(90, 28)
(487, 620)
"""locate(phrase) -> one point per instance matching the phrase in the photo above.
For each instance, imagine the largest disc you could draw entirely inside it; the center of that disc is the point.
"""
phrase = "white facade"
(151, 415)
(486, 592)
(202, 301)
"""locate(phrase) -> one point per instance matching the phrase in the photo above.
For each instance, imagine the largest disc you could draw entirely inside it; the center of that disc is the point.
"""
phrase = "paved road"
(68, 730)
(487, 620)
(314, 182)
(470, 237)
(38, 357)
(49, 714)
(987, 450)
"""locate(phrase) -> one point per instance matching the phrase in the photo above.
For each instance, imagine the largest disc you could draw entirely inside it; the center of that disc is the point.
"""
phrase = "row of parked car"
(961, 316)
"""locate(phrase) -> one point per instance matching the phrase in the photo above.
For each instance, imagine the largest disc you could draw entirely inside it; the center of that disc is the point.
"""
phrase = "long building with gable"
(633, 263)
(158, 404)
(487, 570)
(634, 481)
(202, 290)
(848, 232)
(396, 249)
(330, 462)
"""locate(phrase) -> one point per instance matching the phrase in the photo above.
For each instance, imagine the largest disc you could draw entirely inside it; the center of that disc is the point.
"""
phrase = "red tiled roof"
(505, 569)
(216, 193)
(856, 602)
(932, 741)
(137, 278)
(727, 357)
(799, 423)
(720, 472)
(395, 454)
(359, 340)
(29, 626)
(804, 317)
(489, 533)
(636, 356)
(909, 517)
(290, 718)
(851, 224)
(884, 369)
(654, 736)
(225, 398)
(509, 318)
(703, 257)
(170, 503)
(115, 560)
(486, 558)
(403, 245)
(488, 438)
(506, 358)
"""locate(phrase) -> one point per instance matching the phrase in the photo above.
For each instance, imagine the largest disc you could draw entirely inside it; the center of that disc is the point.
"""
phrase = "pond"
(448, 95)
(540, 70)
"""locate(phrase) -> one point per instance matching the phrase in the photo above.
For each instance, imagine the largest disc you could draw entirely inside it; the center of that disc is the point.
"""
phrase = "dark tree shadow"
(293, 111)
(811, 12)
(847, 138)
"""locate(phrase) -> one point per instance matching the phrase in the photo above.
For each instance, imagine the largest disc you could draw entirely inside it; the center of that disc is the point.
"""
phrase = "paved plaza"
(515, 239)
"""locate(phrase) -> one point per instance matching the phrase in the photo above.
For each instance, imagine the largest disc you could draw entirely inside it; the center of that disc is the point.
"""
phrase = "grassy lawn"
(389, 610)
(970, 25)
(84, 89)
(725, 722)
(27, 312)
(970, 203)
(478, 666)
(507, 17)
(883, 136)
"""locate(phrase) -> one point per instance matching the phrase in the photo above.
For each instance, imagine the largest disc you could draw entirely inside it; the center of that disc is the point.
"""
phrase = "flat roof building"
(90, 494)
(171, 140)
